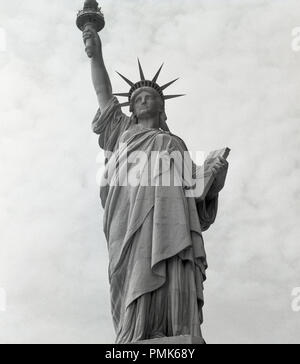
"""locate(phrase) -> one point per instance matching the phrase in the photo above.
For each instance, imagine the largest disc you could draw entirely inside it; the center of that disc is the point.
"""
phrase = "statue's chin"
(144, 114)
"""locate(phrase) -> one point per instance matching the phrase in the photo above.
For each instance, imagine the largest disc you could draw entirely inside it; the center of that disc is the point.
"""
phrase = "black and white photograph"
(150, 174)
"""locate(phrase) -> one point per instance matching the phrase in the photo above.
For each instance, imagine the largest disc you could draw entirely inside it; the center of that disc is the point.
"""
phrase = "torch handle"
(89, 43)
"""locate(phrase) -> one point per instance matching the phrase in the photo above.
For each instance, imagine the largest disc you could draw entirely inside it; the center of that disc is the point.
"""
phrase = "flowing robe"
(157, 259)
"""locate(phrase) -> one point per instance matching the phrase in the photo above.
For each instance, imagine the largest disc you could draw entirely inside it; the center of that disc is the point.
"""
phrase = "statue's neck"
(150, 122)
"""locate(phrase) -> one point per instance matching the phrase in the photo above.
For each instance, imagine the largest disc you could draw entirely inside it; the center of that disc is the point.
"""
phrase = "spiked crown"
(146, 83)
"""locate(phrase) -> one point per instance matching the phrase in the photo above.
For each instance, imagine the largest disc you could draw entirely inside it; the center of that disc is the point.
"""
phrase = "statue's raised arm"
(100, 76)
(90, 21)
(110, 122)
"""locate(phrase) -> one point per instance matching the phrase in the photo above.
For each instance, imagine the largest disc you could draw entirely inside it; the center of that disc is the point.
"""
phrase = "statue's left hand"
(220, 171)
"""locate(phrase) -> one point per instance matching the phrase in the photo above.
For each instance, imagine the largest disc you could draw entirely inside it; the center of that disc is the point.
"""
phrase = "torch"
(90, 17)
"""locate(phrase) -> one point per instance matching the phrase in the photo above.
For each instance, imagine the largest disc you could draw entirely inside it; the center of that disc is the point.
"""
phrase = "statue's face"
(147, 104)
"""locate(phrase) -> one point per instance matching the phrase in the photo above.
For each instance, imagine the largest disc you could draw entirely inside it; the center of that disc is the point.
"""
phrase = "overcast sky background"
(242, 83)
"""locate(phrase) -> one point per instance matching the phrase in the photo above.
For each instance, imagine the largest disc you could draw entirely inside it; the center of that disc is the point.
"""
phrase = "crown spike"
(168, 97)
(141, 71)
(157, 74)
(168, 84)
(130, 83)
(126, 94)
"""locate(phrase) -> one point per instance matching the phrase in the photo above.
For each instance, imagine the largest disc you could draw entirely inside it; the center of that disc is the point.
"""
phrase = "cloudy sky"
(241, 77)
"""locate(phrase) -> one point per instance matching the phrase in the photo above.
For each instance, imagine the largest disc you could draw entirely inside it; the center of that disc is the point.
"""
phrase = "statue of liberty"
(157, 260)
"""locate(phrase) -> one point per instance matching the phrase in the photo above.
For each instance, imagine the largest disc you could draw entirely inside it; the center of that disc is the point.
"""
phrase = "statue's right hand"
(90, 33)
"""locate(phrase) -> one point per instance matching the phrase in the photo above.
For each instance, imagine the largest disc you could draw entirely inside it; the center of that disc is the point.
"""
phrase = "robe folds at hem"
(151, 232)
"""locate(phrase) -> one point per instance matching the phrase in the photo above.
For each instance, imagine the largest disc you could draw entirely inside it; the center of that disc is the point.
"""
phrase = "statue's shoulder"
(177, 139)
